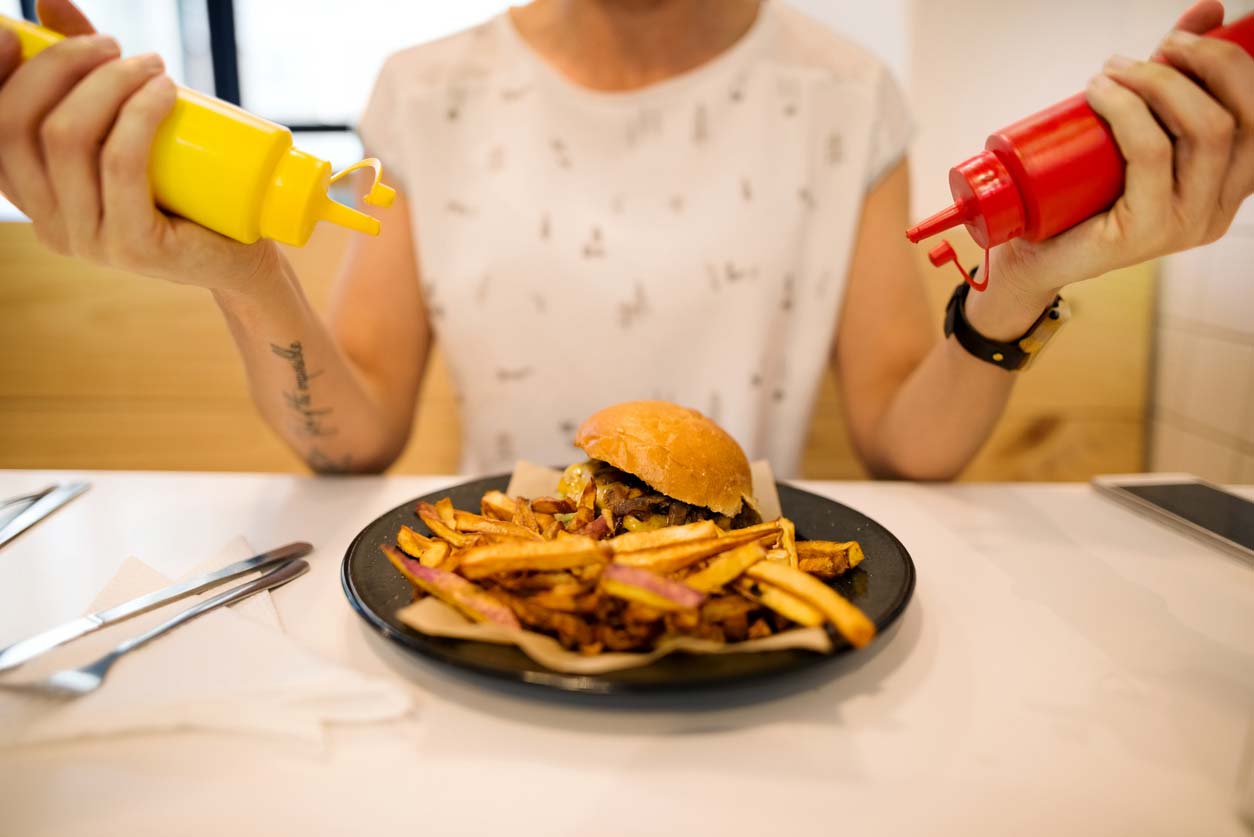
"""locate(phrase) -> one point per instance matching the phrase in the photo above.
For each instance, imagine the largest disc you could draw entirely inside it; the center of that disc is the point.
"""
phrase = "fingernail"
(105, 42)
(1118, 62)
(160, 84)
(1181, 38)
(1101, 81)
(151, 62)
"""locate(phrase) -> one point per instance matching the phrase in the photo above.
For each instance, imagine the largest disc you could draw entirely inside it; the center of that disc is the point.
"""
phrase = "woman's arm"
(343, 396)
(921, 409)
(916, 407)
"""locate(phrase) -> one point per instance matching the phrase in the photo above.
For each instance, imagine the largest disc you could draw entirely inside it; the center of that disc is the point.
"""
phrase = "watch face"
(1046, 327)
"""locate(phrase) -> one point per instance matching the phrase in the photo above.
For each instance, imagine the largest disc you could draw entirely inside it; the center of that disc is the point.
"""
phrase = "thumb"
(64, 17)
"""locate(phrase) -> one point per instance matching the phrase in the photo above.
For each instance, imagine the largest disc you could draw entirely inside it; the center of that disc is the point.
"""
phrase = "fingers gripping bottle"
(236, 173)
(1041, 175)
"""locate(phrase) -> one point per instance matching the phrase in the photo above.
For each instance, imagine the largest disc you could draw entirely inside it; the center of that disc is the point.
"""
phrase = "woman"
(701, 200)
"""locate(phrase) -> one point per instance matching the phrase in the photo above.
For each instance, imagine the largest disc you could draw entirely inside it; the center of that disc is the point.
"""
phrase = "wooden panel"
(101, 369)
(104, 369)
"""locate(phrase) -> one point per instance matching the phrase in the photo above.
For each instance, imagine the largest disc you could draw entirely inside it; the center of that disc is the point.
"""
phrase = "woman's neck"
(627, 44)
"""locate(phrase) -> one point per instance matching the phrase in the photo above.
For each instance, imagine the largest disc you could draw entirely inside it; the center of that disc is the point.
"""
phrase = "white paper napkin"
(232, 670)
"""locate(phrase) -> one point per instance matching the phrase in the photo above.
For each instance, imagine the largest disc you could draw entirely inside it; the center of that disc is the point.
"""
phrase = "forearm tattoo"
(311, 421)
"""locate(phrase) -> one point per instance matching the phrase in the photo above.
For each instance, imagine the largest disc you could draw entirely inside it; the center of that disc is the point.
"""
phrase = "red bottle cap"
(994, 208)
(985, 199)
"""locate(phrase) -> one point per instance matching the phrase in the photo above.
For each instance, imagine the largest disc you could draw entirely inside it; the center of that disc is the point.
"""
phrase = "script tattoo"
(312, 419)
(323, 464)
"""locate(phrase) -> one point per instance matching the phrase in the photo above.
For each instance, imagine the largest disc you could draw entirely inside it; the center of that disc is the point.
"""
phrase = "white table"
(1065, 667)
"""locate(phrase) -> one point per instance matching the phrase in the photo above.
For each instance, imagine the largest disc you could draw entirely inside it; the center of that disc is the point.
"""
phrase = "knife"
(46, 503)
(22, 503)
(26, 649)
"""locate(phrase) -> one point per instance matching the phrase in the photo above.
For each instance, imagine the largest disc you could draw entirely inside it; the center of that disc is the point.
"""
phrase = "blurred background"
(100, 369)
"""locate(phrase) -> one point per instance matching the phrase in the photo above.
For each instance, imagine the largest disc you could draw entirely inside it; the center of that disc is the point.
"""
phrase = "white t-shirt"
(687, 241)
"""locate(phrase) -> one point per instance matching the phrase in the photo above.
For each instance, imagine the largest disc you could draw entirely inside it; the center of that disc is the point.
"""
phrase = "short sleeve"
(891, 129)
(379, 126)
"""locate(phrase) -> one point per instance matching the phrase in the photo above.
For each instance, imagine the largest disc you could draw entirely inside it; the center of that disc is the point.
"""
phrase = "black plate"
(881, 586)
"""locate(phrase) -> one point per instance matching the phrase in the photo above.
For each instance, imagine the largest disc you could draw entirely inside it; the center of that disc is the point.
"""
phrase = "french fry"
(550, 528)
(777, 555)
(726, 607)
(824, 566)
(431, 517)
(444, 507)
(451, 562)
(585, 510)
(467, 522)
(513, 556)
(769, 527)
(524, 516)
(436, 555)
(589, 573)
(780, 601)
(639, 585)
(452, 589)
(685, 621)
(829, 556)
(552, 505)
(788, 540)
(852, 623)
(726, 568)
(670, 559)
(546, 581)
(497, 505)
(639, 613)
(555, 600)
(412, 543)
(635, 541)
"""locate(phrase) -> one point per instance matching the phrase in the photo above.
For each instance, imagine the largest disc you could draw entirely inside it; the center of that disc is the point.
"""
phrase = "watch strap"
(1012, 355)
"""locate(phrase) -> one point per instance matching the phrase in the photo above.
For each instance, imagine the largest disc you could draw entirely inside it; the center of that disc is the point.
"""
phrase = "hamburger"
(655, 464)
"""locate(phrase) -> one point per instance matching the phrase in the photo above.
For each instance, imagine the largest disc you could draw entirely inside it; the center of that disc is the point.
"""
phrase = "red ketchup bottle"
(1041, 175)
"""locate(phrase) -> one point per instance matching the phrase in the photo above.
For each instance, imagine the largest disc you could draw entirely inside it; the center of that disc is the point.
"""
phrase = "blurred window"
(313, 62)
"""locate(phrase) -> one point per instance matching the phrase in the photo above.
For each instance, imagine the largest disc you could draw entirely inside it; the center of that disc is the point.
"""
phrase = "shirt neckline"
(720, 65)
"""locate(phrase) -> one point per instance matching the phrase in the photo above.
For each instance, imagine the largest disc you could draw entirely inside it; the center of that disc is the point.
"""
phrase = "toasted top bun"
(678, 451)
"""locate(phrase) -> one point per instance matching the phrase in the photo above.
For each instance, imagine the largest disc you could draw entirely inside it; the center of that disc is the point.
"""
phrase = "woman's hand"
(76, 130)
(1186, 129)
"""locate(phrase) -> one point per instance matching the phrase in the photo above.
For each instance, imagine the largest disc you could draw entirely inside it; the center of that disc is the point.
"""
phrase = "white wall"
(979, 65)
(1202, 419)
(879, 26)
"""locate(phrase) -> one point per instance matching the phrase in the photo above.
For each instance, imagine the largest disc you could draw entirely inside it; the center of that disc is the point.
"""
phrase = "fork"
(76, 682)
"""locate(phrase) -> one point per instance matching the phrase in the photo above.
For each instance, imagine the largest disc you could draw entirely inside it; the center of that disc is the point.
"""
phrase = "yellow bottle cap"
(297, 199)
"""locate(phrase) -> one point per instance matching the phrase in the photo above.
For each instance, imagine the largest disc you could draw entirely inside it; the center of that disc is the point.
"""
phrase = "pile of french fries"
(545, 565)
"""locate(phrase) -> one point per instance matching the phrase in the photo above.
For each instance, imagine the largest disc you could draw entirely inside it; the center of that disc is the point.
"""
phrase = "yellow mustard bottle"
(236, 173)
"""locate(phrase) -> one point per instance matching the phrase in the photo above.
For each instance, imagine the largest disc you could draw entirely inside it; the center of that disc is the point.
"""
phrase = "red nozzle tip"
(947, 218)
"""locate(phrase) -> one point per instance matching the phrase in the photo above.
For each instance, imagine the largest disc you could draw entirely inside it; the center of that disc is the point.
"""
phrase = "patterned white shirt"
(686, 241)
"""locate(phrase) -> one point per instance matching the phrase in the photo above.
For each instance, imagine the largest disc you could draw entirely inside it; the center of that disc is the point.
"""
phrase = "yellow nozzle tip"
(381, 195)
(338, 213)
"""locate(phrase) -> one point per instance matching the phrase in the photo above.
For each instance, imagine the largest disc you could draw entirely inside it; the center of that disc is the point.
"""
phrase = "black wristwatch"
(1014, 355)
